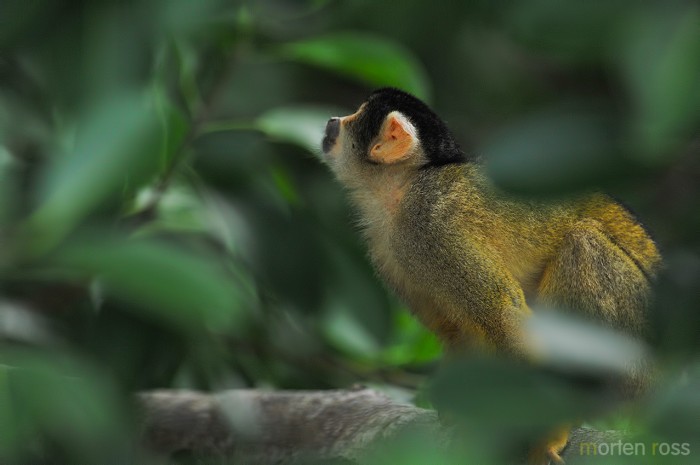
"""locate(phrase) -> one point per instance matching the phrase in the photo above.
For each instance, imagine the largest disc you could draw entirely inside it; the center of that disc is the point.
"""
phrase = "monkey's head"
(391, 130)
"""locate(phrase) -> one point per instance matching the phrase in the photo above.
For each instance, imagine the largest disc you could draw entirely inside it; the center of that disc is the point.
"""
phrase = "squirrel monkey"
(468, 259)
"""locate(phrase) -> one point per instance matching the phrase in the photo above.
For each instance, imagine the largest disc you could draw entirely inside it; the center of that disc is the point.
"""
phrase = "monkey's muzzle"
(331, 134)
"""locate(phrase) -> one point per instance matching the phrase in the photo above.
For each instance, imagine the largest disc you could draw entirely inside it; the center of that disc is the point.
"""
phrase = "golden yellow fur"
(467, 259)
(470, 261)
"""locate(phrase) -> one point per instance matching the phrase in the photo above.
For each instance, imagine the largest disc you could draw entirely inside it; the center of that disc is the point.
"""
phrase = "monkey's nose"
(332, 131)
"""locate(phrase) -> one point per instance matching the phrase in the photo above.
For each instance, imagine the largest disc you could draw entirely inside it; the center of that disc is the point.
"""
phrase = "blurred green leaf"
(179, 209)
(285, 185)
(674, 409)
(301, 125)
(174, 128)
(6, 184)
(503, 396)
(356, 295)
(414, 445)
(115, 147)
(183, 17)
(569, 343)
(188, 64)
(44, 395)
(175, 287)
(376, 60)
(345, 332)
(413, 342)
(660, 60)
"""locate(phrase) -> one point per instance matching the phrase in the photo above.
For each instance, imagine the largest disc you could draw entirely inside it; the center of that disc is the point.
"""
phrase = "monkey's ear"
(396, 139)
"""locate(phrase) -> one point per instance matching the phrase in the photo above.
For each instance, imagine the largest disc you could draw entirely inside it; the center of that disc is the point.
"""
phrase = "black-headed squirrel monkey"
(466, 258)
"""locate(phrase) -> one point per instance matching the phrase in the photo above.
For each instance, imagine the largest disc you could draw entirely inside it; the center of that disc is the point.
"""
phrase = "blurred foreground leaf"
(182, 18)
(573, 344)
(505, 397)
(374, 60)
(346, 333)
(302, 125)
(19, 323)
(674, 410)
(55, 398)
(6, 184)
(179, 209)
(414, 445)
(176, 287)
(174, 128)
(414, 343)
(115, 146)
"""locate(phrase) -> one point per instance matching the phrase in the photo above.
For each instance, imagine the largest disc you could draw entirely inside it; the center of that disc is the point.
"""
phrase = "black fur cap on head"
(437, 142)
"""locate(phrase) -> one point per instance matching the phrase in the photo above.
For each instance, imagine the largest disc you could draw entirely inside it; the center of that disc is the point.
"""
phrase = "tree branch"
(263, 427)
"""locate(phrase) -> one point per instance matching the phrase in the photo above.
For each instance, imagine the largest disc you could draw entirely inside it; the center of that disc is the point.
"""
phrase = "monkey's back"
(458, 200)
(451, 217)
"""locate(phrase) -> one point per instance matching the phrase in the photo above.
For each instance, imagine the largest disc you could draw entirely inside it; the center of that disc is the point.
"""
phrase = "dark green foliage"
(164, 223)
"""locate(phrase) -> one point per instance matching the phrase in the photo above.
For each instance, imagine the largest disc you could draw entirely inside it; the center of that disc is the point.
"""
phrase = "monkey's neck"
(378, 199)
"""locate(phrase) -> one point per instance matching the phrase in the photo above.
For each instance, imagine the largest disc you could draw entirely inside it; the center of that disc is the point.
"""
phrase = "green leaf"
(116, 145)
(7, 165)
(674, 409)
(174, 127)
(415, 444)
(301, 125)
(661, 62)
(175, 287)
(569, 343)
(501, 395)
(46, 396)
(179, 209)
(413, 342)
(374, 60)
(180, 18)
(345, 332)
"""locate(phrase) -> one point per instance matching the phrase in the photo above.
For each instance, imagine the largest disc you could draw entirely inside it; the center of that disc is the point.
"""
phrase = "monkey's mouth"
(331, 134)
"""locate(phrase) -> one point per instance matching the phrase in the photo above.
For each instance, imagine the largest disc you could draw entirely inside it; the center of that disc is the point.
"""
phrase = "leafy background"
(165, 223)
